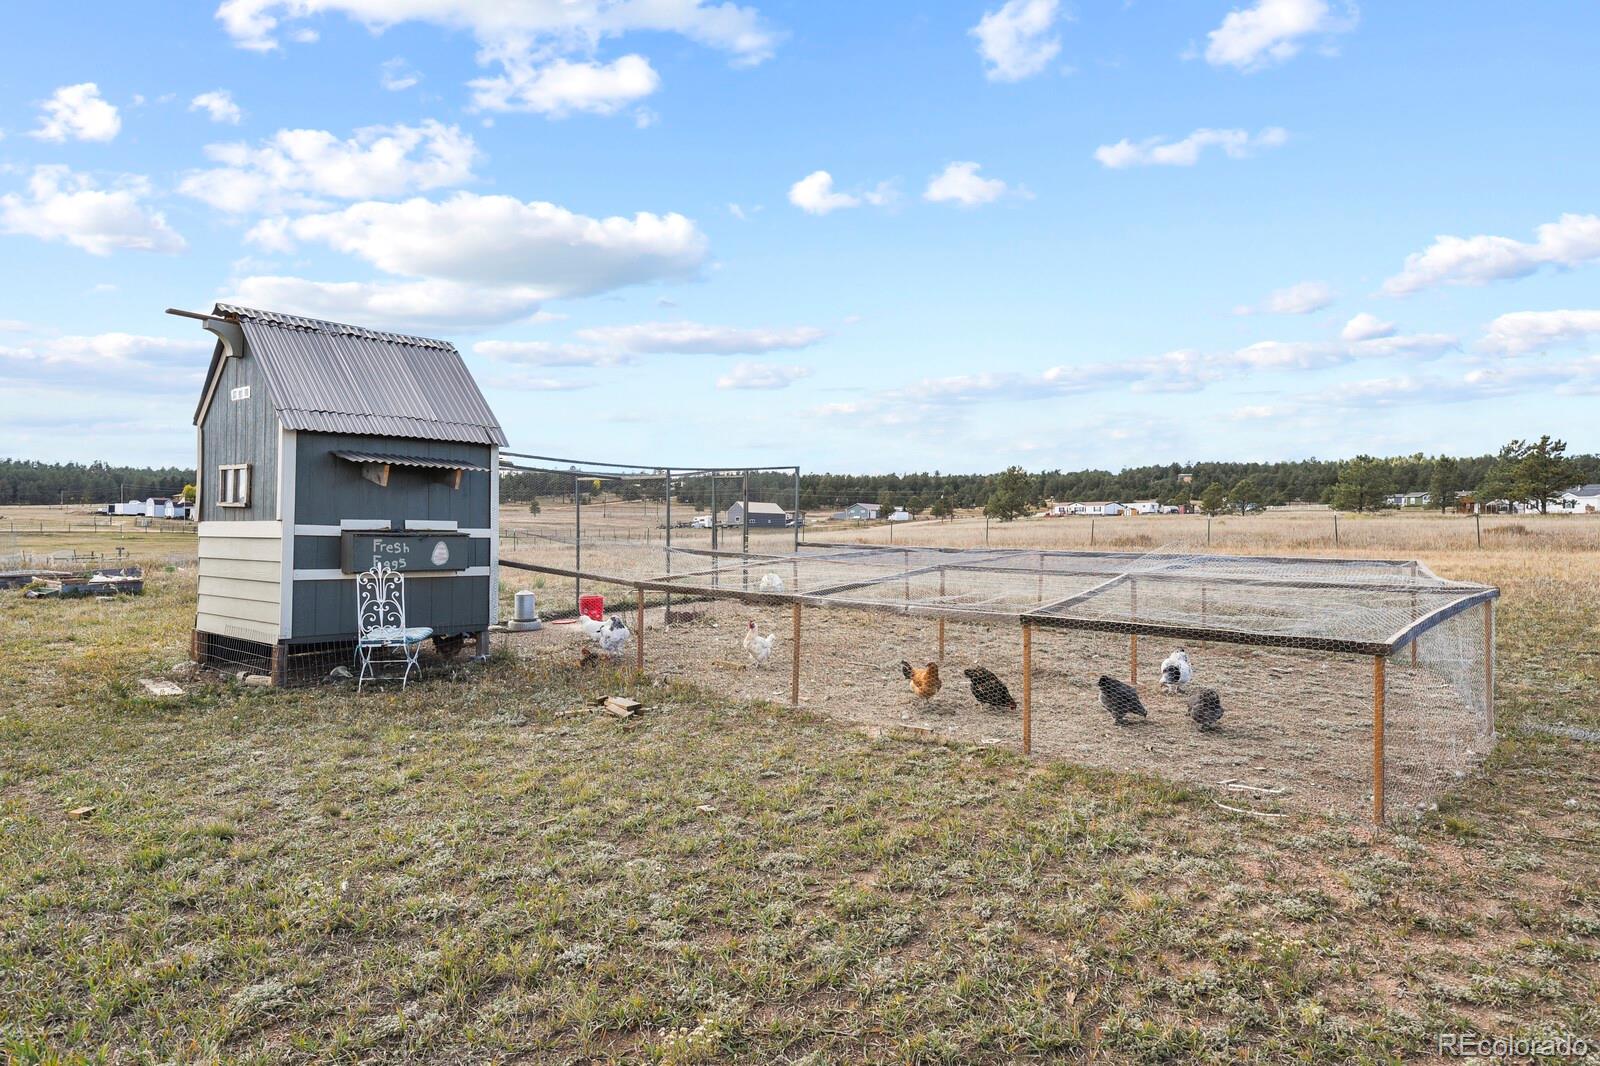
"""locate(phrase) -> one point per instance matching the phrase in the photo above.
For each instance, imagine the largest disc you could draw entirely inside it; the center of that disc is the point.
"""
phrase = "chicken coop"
(1361, 687)
(322, 447)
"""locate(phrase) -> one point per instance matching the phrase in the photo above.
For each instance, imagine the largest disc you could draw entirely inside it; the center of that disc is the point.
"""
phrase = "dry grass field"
(481, 869)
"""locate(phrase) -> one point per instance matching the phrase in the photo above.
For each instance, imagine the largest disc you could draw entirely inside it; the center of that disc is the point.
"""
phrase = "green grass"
(467, 872)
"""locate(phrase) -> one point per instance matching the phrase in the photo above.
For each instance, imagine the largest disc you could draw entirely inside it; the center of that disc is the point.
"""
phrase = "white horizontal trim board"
(269, 549)
(263, 529)
(340, 575)
(334, 531)
(430, 523)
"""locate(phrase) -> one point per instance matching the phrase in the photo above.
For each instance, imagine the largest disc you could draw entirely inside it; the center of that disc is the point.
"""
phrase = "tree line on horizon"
(1522, 470)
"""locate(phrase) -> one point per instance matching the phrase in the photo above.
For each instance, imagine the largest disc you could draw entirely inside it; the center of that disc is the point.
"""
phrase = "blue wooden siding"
(240, 431)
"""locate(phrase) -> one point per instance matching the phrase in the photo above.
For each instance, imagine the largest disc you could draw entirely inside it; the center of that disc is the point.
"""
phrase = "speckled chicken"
(1120, 699)
(1176, 671)
(1205, 707)
(924, 680)
(989, 690)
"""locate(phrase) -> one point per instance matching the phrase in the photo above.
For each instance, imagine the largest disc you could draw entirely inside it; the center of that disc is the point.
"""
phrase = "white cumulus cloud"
(1236, 144)
(561, 87)
(502, 240)
(1366, 327)
(1015, 39)
(305, 168)
(1570, 241)
(1299, 299)
(472, 260)
(1526, 331)
(694, 338)
(815, 194)
(1272, 31)
(543, 49)
(77, 113)
(749, 375)
(427, 304)
(61, 205)
(959, 183)
(219, 105)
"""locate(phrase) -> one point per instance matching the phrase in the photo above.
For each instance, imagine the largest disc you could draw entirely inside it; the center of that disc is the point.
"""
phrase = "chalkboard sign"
(410, 551)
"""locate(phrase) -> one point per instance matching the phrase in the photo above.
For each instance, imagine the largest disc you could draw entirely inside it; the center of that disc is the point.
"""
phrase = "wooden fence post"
(1027, 688)
(794, 667)
(640, 650)
(1377, 738)
(1488, 661)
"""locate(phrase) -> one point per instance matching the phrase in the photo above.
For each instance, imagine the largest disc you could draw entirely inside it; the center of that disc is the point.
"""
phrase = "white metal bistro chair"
(382, 635)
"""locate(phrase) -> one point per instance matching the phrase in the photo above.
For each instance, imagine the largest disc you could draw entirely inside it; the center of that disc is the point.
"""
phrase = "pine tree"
(1363, 483)
(1213, 500)
(1010, 496)
(1442, 483)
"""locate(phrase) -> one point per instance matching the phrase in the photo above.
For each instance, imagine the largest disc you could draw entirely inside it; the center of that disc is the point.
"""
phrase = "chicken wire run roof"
(1362, 606)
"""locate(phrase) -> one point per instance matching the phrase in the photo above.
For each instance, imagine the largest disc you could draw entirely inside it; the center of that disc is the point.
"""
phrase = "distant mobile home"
(858, 512)
(1580, 499)
(1097, 508)
(321, 447)
(761, 514)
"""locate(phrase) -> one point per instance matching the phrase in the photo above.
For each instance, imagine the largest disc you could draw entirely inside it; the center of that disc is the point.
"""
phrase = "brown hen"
(924, 680)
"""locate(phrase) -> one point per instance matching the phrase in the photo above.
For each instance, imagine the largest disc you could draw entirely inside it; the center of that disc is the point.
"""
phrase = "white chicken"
(1176, 671)
(771, 583)
(591, 627)
(613, 638)
(756, 646)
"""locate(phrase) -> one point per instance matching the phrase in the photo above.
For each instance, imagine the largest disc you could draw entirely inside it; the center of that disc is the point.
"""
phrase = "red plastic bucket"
(593, 607)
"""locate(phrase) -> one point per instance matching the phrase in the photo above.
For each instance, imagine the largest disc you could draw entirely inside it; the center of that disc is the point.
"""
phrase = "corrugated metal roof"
(390, 459)
(329, 377)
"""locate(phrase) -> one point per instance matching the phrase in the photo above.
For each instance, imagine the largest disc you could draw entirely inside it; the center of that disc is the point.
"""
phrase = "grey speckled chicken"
(1120, 699)
(1205, 707)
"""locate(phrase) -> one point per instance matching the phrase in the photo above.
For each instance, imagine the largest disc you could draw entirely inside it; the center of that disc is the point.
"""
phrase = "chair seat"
(388, 635)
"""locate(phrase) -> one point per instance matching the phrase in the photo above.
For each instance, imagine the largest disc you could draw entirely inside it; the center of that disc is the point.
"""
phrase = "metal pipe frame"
(830, 596)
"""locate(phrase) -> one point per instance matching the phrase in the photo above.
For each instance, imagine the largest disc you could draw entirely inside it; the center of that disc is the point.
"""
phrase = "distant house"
(164, 507)
(858, 512)
(761, 514)
(1059, 510)
(1097, 507)
(1580, 499)
(1409, 499)
(1144, 507)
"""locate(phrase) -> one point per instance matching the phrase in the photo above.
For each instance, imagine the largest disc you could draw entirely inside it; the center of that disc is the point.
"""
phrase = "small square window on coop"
(323, 448)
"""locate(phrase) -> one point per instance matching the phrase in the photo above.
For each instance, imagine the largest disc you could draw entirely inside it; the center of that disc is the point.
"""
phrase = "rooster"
(1120, 699)
(989, 690)
(924, 681)
(1176, 671)
(613, 638)
(756, 646)
(1205, 707)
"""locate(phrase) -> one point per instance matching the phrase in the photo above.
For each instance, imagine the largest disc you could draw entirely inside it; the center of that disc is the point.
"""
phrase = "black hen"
(1205, 707)
(989, 690)
(1119, 698)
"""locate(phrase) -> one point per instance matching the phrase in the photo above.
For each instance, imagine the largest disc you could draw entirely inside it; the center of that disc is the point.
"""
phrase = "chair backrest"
(380, 599)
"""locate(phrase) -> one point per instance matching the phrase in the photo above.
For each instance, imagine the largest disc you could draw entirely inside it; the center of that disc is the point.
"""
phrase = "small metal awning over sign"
(375, 466)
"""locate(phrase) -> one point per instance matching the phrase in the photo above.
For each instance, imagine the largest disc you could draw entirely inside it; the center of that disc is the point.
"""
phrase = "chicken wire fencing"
(1358, 686)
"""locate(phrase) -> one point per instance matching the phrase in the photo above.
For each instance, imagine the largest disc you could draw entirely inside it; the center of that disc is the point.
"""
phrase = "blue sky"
(859, 237)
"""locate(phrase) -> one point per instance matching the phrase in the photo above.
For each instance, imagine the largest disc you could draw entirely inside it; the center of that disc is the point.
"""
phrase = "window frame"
(233, 485)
